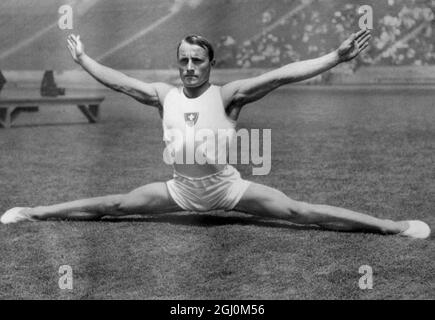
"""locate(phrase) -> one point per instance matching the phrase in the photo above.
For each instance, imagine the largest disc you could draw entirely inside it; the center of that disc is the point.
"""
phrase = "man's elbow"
(119, 88)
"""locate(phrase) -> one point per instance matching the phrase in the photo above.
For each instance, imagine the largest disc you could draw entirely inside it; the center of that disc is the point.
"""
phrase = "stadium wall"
(78, 79)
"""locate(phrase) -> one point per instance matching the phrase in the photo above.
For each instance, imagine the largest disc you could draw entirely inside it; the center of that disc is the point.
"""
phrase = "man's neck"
(195, 92)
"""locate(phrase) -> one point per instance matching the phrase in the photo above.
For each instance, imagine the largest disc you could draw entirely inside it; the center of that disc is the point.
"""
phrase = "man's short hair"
(199, 41)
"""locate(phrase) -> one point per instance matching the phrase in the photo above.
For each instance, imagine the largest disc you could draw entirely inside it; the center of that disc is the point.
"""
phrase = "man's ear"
(213, 62)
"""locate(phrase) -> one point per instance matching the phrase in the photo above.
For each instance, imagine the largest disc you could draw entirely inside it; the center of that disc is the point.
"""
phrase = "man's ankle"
(31, 212)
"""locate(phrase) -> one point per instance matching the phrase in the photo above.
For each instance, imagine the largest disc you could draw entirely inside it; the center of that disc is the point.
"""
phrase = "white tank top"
(197, 132)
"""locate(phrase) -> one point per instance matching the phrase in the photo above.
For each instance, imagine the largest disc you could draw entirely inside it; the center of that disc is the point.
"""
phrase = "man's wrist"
(80, 59)
(336, 56)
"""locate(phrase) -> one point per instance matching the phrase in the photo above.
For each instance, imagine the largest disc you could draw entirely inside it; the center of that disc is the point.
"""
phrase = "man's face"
(193, 65)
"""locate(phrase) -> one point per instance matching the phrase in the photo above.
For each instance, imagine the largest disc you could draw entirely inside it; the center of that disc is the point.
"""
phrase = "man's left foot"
(417, 229)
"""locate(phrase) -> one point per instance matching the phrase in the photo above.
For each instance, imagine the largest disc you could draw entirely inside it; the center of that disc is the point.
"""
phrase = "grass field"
(369, 151)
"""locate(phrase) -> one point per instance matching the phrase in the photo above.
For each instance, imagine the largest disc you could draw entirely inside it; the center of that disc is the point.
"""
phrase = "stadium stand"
(247, 33)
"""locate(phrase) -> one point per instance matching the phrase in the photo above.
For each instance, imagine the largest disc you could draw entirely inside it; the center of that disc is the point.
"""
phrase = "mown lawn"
(373, 152)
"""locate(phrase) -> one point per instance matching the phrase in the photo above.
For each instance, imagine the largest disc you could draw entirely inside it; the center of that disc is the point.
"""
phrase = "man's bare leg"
(268, 202)
(151, 198)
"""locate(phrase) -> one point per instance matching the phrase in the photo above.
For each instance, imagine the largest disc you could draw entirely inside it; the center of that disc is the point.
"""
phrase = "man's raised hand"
(75, 47)
(356, 43)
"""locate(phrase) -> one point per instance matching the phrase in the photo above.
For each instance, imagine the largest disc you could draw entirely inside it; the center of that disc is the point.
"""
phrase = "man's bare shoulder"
(229, 92)
(162, 89)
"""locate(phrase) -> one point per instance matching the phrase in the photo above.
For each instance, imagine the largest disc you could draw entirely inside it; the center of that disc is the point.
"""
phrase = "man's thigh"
(148, 199)
(265, 201)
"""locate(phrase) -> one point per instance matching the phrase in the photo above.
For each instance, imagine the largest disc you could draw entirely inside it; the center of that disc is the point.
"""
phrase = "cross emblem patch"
(191, 118)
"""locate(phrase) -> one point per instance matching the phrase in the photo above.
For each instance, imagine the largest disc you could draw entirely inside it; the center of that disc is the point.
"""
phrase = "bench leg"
(95, 110)
(91, 112)
(9, 114)
(5, 117)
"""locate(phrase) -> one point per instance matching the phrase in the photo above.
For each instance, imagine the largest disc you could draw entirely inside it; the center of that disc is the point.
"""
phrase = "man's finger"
(74, 38)
(352, 37)
(363, 40)
(362, 34)
(364, 47)
(71, 50)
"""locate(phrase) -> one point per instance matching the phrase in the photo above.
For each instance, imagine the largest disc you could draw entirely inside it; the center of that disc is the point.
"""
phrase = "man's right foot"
(15, 215)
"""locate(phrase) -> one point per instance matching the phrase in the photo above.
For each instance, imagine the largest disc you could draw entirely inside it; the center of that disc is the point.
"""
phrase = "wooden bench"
(11, 107)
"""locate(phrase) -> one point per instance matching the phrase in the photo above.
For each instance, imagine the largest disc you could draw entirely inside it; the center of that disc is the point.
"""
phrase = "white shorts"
(219, 191)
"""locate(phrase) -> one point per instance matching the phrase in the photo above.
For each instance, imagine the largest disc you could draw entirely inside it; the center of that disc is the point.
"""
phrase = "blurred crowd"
(402, 34)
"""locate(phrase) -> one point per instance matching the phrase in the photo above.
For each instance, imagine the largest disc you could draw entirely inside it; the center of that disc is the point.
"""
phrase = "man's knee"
(302, 212)
(124, 204)
(112, 204)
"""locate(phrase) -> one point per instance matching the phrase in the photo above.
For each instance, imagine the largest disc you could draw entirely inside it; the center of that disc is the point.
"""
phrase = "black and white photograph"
(229, 151)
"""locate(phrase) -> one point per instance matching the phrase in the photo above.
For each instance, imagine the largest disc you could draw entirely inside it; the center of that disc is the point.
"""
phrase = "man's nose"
(190, 66)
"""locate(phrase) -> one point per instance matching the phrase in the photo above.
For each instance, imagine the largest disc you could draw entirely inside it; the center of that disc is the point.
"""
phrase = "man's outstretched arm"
(147, 93)
(241, 92)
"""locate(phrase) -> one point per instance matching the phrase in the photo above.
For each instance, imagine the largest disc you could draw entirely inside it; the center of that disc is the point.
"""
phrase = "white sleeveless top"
(197, 132)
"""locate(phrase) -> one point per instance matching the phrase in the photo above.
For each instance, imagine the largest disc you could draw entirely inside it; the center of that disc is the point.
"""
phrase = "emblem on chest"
(191, 118)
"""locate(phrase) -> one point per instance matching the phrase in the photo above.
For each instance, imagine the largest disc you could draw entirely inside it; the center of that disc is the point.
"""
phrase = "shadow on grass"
(213, 220)
(203, 220)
